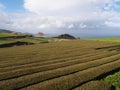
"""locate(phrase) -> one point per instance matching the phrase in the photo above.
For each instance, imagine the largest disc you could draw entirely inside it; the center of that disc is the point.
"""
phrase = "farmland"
(65, 65)
(113, 39)
(8, 38)
(7, 35)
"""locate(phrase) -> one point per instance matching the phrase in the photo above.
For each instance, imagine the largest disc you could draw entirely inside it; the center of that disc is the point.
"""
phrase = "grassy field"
(33, 40)
(6, 34)
(58, 65)
(106, 39)
(6, 41)
(29, 40)
(36, 40)
(26, 39)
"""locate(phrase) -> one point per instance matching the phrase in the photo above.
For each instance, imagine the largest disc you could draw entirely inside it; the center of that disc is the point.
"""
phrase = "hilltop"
(65, 36)
(5, 31)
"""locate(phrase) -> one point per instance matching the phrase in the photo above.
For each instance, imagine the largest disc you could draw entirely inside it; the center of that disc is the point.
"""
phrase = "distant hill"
(5, 31)
(39, 34)
(4, 34)
(65, 36)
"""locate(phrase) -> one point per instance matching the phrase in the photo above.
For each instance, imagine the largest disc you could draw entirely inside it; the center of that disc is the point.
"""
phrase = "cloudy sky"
(84, 18)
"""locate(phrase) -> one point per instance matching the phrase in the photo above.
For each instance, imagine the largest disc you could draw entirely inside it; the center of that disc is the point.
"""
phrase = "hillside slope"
(5, 31)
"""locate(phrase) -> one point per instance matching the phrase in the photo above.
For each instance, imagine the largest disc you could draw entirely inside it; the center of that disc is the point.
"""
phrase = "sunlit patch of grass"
(114, 80)
(106, 39)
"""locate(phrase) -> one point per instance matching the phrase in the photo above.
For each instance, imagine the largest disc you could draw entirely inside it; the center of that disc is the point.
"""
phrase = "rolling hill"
(5, 31)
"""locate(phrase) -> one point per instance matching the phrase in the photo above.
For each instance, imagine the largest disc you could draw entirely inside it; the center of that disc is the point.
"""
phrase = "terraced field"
(62, 65)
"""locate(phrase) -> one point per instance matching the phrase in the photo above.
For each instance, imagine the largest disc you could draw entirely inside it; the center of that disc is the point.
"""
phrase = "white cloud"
(63, 6)
(112, 24)
(62, 14)
(40, 5)
(3, 17)
(36, 22)
(2, 6)
(84, 10)
(83, 25)
(70, 26)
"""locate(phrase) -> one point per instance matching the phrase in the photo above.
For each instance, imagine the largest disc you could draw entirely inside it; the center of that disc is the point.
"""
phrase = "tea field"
(65, 65)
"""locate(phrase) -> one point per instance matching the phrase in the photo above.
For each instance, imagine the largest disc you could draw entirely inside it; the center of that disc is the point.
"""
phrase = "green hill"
(65, 36)
(5, 31)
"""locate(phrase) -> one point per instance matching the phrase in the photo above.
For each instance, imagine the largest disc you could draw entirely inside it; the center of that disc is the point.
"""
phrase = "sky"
(82, 18)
